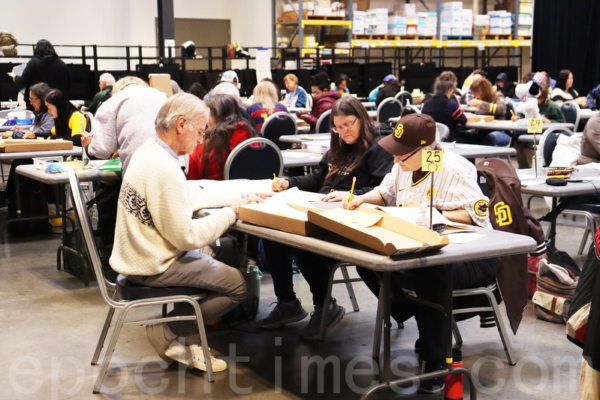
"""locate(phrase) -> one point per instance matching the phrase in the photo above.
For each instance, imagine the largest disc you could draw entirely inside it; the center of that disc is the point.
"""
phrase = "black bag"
(75, 264)
(34, 203)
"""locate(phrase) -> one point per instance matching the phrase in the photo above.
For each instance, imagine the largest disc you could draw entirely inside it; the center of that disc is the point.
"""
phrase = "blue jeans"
(495, 138)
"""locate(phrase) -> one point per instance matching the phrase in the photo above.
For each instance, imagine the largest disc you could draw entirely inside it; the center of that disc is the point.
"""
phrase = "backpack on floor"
(555, 289)
(34, 203)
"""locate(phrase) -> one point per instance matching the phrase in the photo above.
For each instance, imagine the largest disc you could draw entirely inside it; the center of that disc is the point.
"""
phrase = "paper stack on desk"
(410, 214)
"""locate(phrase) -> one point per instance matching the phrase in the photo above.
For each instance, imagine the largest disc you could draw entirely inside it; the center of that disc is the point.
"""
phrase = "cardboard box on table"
(265, 214)
(377, 230)
(472, 118)
(162, 82)
(23, 145)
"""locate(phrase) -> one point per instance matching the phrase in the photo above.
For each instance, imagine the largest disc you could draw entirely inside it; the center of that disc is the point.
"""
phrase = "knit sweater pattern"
(155, 217)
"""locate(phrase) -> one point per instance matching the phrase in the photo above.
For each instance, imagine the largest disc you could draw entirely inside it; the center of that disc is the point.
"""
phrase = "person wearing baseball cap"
(458, 197)
(375, 92)
(229, 76)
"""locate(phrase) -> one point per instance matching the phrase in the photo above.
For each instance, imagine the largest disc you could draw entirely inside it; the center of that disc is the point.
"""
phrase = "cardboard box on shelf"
(426, 31)
(292, 16)
(456, 31)
(411, 30)
(323, 11)
(307, 5)
(397, 31)
(481, 30)
(324, 3)
(21, 145)
(377, 30)
(525, 8)
(452, 6)
(377, 230)
(409, 8)
(358, 31)
(524, 31)
(396, 20)
(500, 31)
(467, 30)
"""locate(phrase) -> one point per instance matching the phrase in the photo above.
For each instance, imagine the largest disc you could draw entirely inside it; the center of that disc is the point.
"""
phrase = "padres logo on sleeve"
(481, 208)
(399, 131)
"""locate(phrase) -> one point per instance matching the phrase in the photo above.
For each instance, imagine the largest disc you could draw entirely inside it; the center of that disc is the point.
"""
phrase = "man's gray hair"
(108, 79)
(180, 105)
(226, 88)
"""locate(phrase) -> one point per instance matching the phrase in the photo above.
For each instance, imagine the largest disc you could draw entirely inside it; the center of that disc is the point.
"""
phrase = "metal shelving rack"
(301, 23)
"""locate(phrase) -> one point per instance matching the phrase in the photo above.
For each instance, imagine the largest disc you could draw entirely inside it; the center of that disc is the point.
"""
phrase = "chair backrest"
(256, 158)
(279, 124)
(84, 224)
(89, 120)
(388, 108)
(548, 142)
(442, 132)
(403, 97)
(570, 110)
(323, 124)
(410, 109)
(309, 101)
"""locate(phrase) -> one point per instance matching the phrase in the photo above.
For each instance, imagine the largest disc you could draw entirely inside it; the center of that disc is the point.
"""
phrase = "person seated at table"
(226, 129)
(341, 85)
(458, 197)
(505, 86)
(354, 153)
(549, 110)
(43, 122)
(593, 97)
(106, 83)
(467, 93)
(488, 102)
(197, 90)
(564, 90)
(390, 89)
(264, 103)
(373, 94)
(157, 237)
(69, 123)
(590, 142)
(444, 106)
(230, 90)
(323, 97)
(296, 95)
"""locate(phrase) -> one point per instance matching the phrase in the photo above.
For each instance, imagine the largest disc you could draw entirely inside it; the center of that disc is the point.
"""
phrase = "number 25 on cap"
(534, 125)
(433, 160)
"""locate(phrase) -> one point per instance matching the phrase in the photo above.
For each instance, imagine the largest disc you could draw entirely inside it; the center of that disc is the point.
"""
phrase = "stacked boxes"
(323, 7)
(454, 20)
(525, 24)
(500, 23)
(358, 22)
(376, 21)
(396, 24)
(427, 24)
(412, 19)
(481, 24)
(526, 7)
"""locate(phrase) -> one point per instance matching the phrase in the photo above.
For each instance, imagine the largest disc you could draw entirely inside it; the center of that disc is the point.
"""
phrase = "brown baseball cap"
(412, 131)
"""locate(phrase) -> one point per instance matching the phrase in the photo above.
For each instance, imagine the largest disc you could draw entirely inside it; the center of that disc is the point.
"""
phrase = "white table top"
(586, 113)
(372, 113)
(296, 158)
(589, 185)
(465, 150)
(513, 126)
(32, 172)
(496, 244)
(298, 109)
(369, 104)
(76, 151)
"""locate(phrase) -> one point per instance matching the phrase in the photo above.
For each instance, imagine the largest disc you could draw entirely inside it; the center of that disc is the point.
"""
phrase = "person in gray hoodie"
(122, 124)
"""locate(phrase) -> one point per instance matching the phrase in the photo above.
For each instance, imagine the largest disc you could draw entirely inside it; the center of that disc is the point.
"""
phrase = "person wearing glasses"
(43, 122)
(323, 99)
(459, 198)
(227, 128)
(354, 153)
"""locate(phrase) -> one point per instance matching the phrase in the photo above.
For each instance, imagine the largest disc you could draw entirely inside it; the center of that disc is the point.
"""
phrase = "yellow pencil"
(352, 190)
(275, 177)
(513, 114)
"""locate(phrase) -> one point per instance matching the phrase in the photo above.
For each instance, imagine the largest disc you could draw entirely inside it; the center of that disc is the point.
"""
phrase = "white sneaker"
(193, 356)
(156, 337)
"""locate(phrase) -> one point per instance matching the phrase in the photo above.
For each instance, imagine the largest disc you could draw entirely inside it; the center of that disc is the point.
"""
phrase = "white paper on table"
(465, 237)
(290, 196)
(300, 154)
(263, 64)
(18, 70)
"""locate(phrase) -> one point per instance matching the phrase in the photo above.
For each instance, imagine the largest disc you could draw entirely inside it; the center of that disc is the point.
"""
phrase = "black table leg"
(553, 216)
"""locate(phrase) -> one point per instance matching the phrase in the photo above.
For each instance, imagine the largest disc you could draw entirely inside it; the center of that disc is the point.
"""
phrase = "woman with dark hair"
(69, 123)
(444, 107)
(341, 85)
(43, 123)
(354, 153)
(227, 128)
(564, 90)
(45, 66)
(197, 90)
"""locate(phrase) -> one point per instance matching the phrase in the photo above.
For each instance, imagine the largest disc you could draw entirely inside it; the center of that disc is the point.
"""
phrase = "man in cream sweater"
(157, 239)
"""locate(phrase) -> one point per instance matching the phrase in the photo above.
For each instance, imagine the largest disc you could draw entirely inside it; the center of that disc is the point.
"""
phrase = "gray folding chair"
(388, 108)
(127, 296)
(570, 110)
(442, 132)
(277, 125)
(256, 158)
(488, 292)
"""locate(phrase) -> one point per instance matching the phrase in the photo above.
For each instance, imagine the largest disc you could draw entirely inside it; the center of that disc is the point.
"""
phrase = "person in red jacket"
(226, 129)
(323, 97)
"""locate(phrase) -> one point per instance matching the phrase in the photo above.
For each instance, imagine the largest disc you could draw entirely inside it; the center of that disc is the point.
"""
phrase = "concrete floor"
(51, 323)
